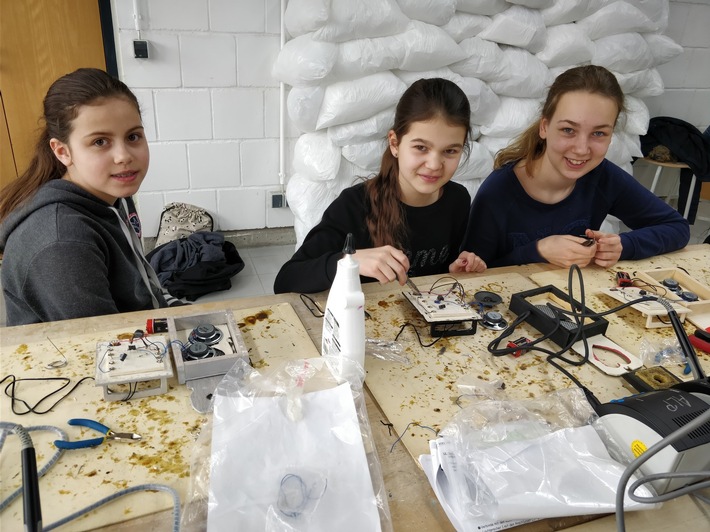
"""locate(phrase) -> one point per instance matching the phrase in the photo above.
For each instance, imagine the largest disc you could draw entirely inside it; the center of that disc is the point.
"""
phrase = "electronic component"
(653, 310)
(671, 284)
(623, 279)
(494, 321)
(209, 345)
(687, 295)
(135, 369)
(446, 315)
(519, 346)
(487, 299)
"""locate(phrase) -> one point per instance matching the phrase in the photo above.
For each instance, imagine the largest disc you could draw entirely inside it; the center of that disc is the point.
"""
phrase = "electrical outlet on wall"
(278, 200)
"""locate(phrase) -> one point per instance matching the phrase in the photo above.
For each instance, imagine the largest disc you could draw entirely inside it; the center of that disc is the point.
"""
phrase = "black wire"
(578, 314)
(10, 391)
(419, 339)
(314, 304)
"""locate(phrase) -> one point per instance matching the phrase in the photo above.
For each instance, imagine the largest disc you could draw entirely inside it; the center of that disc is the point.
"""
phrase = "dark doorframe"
(107, 36)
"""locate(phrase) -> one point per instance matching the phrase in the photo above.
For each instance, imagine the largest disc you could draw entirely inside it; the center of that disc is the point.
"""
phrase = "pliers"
(90, 423)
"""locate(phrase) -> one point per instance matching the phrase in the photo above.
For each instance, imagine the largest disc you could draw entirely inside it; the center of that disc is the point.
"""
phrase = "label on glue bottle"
(344, 319)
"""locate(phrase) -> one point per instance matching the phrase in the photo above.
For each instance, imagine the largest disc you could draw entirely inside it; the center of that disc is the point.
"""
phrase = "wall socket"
(278, 200)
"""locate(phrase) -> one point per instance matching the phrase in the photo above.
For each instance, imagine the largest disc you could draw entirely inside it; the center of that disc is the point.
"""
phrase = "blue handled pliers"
(90, 423)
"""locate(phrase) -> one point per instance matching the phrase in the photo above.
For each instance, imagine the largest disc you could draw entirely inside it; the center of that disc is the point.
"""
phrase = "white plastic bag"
(533, 458)
(641, 84)
(299, 438)
(464, 25)
(566, 45)
(360, 57)
(482, 7)
(367, 155)
(662, 48)
(437, 12)
(347, 101)
(527, 76)
(316, 157)
(303, 105)
(618, 17)
(477, 165)
(565, 12)
(625, 52)
(483, 101)
(304, 16)
(427, 47)
(365, 130)
(354, 19)
(308, 200)
(304, 61)
(636, 117)
(484, 60)
(517, 26)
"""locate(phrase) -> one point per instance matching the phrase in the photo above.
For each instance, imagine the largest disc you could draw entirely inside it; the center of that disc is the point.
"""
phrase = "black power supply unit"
(543, 317)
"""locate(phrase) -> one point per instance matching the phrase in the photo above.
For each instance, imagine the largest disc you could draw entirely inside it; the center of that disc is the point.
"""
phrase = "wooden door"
(40, 40)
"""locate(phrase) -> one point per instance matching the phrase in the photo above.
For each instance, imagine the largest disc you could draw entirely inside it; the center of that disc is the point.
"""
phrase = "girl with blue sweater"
(552, 188)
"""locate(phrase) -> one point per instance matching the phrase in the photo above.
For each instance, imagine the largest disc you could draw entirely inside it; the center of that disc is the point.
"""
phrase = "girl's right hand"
(565, 250)
(385, 264)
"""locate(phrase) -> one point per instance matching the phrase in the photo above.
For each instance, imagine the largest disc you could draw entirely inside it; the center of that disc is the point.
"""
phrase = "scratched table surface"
(424, 391)
(167, 423)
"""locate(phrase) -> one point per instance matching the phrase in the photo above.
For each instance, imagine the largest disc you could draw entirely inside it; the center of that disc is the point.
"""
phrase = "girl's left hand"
(608, 248)
(467, 262)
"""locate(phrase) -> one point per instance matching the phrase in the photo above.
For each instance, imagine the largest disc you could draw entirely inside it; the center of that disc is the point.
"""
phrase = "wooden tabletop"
(25, 350)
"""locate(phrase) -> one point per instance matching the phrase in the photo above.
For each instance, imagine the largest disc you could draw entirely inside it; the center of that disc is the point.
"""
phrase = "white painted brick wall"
(211, 110)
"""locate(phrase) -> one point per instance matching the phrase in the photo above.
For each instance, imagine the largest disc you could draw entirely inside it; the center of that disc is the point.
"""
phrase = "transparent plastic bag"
(288, 450)
(667, 352)
(534, 458)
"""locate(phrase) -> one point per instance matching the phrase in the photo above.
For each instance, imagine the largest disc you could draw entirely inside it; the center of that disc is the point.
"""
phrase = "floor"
(261, 264)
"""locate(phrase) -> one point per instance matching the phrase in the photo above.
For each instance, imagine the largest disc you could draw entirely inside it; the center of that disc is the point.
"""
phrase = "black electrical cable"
(11, 392)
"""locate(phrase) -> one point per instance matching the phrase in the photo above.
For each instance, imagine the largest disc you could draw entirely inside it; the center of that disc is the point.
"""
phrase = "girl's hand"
(566, 250)
(608, 248)
(467, 262)
(385, 264)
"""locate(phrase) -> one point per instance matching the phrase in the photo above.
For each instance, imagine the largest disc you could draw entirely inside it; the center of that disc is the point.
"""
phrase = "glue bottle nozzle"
(348, 248)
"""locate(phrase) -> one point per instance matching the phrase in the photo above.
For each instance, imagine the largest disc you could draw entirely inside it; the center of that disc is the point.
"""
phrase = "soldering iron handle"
(30, 496)
(685, 346)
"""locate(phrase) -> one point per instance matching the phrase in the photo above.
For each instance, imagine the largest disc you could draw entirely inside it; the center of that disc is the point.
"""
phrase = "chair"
(660, 167)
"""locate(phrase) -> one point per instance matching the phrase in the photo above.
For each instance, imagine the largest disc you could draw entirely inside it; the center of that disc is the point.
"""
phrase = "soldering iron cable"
(647, 455)
(5, 429)
(118, 494)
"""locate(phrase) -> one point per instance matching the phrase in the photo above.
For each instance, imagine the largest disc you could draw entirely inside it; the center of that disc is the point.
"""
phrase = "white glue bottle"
(344, 319)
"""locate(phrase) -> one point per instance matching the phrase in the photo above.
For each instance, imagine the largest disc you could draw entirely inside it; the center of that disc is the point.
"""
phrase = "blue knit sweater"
(505, 223)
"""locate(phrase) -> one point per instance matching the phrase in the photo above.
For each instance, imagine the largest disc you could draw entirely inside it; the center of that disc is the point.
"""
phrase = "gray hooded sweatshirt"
(68, 254)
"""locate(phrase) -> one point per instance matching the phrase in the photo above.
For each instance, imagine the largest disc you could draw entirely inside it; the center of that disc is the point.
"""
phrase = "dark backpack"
(196, 265)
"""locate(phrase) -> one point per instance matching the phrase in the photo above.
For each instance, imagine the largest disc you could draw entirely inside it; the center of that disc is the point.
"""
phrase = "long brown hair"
(85, 86)
(424, 100)
(589, 78)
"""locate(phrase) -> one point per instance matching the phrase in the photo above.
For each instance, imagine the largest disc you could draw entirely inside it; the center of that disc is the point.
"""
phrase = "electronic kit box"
(205, 345)
(542, 317)
(133, 368)
(684, 285)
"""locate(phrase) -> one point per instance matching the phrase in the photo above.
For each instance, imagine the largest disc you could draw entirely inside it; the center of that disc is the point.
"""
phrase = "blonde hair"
(529, 146)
